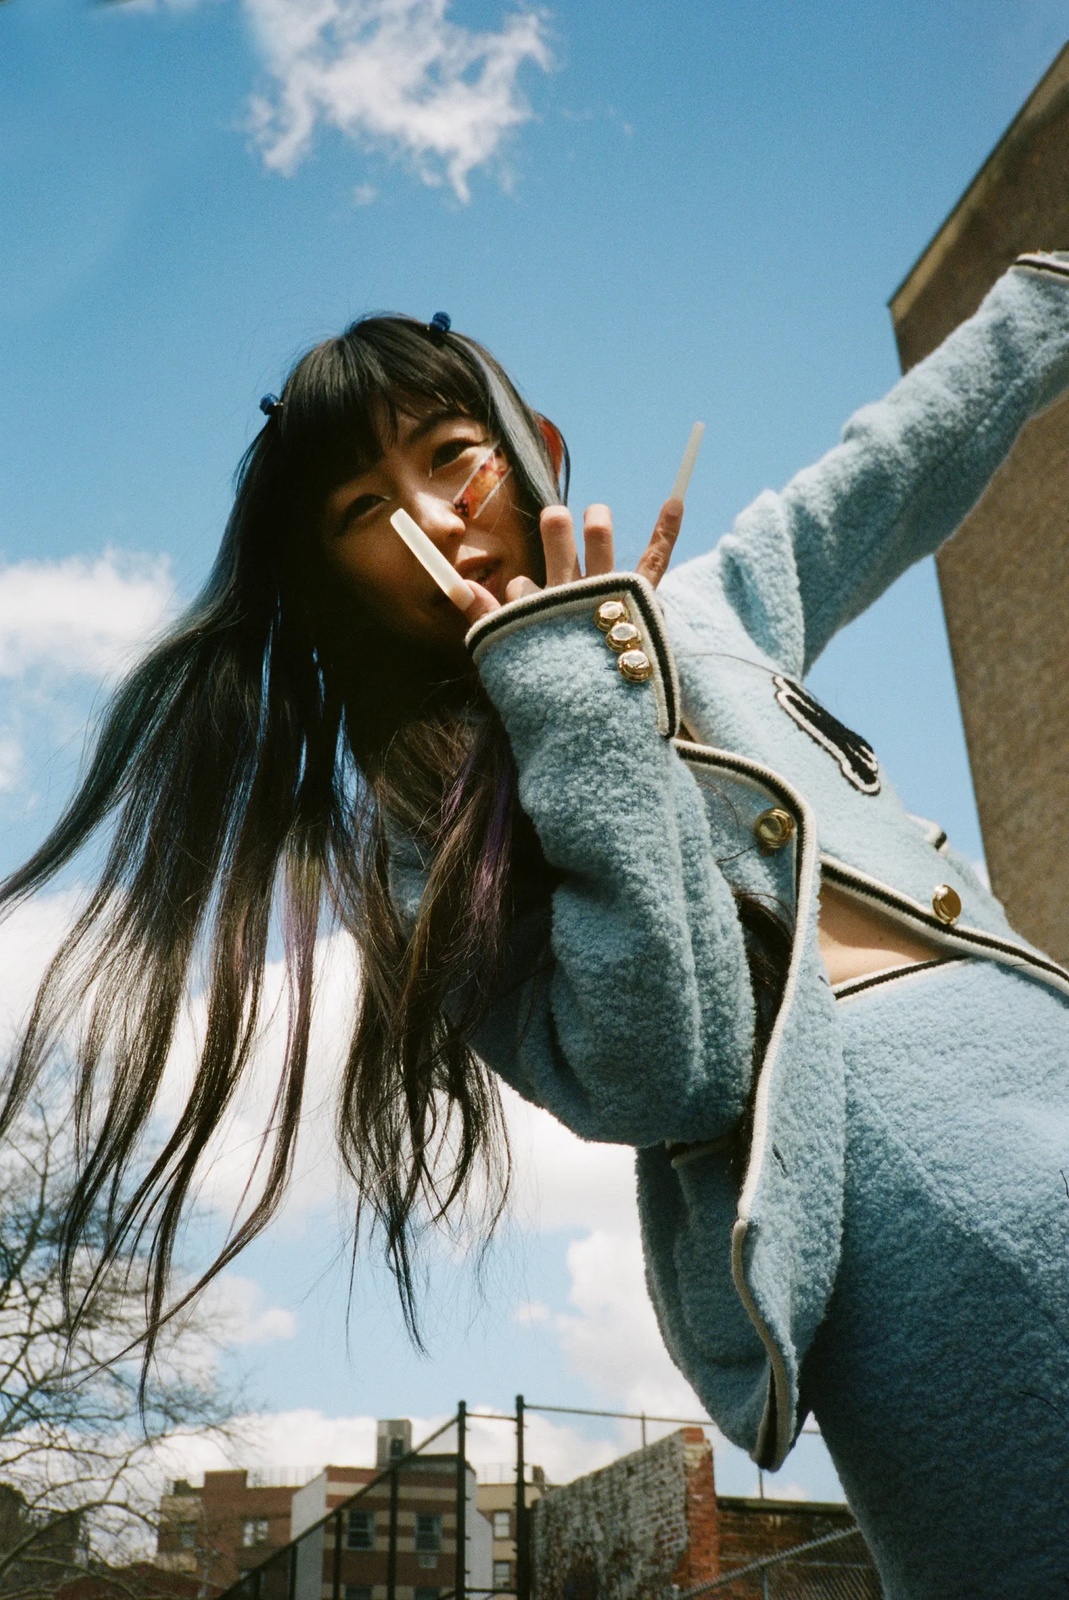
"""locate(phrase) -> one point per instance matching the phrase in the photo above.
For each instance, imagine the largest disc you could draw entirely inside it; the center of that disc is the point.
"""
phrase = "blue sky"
(651, 213)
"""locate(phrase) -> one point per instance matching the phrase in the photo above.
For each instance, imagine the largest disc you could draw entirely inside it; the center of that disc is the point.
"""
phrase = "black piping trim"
(842, 991)
(705, 756)
(1044, 263)
(565, 596)
(775, 1434)
(930, 922)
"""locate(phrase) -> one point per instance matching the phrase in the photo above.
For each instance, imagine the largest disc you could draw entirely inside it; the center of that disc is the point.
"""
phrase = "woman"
(606, 843)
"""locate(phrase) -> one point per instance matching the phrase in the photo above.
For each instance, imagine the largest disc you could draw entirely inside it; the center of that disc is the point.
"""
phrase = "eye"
(451, 451)
(357, 509)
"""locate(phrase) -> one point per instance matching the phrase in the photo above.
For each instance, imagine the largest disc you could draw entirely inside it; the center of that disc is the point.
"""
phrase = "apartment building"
(231, 1527)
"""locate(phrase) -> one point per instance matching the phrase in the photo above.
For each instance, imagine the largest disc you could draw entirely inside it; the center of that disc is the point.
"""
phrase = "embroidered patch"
(857, 760)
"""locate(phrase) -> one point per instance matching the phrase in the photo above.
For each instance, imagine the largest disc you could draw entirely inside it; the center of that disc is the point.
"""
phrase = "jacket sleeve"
(800, 564)
(635, 1024)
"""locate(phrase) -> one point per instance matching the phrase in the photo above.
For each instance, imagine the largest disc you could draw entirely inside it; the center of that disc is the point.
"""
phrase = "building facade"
(652, 1527)
(349, 1533)
(222, 1529)
(1005, 575)
(497, 1502)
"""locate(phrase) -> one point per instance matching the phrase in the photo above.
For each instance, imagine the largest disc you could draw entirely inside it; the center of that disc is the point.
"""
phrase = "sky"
(651, 213)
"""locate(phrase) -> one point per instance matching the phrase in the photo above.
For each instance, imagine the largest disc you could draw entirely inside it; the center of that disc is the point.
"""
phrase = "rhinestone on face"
(946, 903)
(774, 828)
(635, 665)
(623, 636)
(609, 613)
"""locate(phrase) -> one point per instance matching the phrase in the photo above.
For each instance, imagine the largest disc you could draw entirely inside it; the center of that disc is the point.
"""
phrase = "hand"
(562, 556)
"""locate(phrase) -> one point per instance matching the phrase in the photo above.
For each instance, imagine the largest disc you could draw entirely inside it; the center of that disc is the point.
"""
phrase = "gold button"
(609, 613)
(946, 903)
(623, 636)
(774, 828)
(635, 666)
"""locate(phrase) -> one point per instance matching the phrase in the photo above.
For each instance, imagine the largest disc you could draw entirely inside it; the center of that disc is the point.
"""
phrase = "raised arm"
(636, 1024)
(800, 564)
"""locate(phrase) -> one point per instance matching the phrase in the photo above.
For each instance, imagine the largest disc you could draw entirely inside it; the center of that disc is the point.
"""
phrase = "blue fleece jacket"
(675, 762)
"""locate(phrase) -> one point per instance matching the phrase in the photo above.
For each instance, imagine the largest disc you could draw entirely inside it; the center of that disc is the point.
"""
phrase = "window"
(360, 1531)
(357, 1591)
(502, 1526)
(427, 1594)
(187, 1536)
(428, 1533)
(254, 1530)
(502, 1574)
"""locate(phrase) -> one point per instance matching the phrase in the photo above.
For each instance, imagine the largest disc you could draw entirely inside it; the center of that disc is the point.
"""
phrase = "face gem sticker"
(483, 483)
(857, 760)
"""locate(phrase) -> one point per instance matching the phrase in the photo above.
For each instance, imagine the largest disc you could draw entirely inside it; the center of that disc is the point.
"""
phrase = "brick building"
(651, 1527)
(221, 1530)
(230, 1528)
(497, 1502)
(1005, 575)
(419, 1499)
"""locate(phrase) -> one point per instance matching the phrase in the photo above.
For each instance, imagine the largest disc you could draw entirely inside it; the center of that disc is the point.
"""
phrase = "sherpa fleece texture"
(638, 1027)
(940, 1376)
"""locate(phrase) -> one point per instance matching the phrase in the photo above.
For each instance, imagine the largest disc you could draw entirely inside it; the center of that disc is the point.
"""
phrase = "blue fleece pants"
(940, 1377)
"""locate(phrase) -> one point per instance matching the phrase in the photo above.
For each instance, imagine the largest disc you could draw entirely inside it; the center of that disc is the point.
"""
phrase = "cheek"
(374, 574)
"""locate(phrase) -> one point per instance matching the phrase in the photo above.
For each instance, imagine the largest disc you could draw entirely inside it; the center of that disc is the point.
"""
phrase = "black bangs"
(341, 402)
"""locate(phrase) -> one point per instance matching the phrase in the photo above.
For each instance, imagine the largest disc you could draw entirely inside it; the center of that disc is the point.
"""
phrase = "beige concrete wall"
(1005, 575)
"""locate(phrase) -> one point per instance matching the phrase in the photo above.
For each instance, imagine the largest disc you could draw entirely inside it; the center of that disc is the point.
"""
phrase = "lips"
(484, 570)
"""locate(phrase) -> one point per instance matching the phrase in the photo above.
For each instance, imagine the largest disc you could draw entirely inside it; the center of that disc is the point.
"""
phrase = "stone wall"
(634, 1530)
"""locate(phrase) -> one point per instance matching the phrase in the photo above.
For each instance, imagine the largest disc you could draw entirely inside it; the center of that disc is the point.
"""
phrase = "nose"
(437, 517)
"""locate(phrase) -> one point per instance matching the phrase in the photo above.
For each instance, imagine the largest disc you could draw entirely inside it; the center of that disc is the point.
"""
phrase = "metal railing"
(326, 1561)
(323, 1560)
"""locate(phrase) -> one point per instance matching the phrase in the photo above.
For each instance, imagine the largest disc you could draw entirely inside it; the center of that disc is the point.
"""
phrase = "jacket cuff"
(620, 606)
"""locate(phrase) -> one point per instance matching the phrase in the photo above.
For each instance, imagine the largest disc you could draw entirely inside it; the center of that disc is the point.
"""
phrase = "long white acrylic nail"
(686, 466)
(429, 556)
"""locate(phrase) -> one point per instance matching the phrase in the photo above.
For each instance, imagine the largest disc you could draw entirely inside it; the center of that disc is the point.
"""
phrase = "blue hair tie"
(270, 404)
(440, 323)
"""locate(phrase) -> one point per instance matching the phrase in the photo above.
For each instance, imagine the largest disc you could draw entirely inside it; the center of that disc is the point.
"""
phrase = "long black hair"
(247, 782)
(248, 778)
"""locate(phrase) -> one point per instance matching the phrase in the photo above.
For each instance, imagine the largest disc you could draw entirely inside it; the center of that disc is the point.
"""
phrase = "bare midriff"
(855, 940)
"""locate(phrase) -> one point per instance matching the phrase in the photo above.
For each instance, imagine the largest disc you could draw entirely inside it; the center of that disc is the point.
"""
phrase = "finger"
(482, 602)
(517, 588)
(597, 539)
(558, 542)
(658, 553)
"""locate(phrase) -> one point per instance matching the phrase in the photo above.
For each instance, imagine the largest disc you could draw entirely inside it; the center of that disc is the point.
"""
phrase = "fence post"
(460, 1586)
(391, 1558)
(335, 1586)
(523, 1582)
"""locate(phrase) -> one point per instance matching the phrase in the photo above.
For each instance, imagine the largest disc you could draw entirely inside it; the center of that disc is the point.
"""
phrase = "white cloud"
(611, 1338)
(561, 1182)
(28, 939)
(235, 1307)
(532, 1311)
(80, 616)
(394, 75)
(11, 763)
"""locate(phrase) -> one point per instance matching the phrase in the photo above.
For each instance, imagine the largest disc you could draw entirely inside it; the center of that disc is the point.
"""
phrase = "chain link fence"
(833, 1567)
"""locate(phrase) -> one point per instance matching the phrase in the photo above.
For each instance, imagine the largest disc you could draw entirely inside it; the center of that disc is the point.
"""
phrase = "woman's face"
(423, 471)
